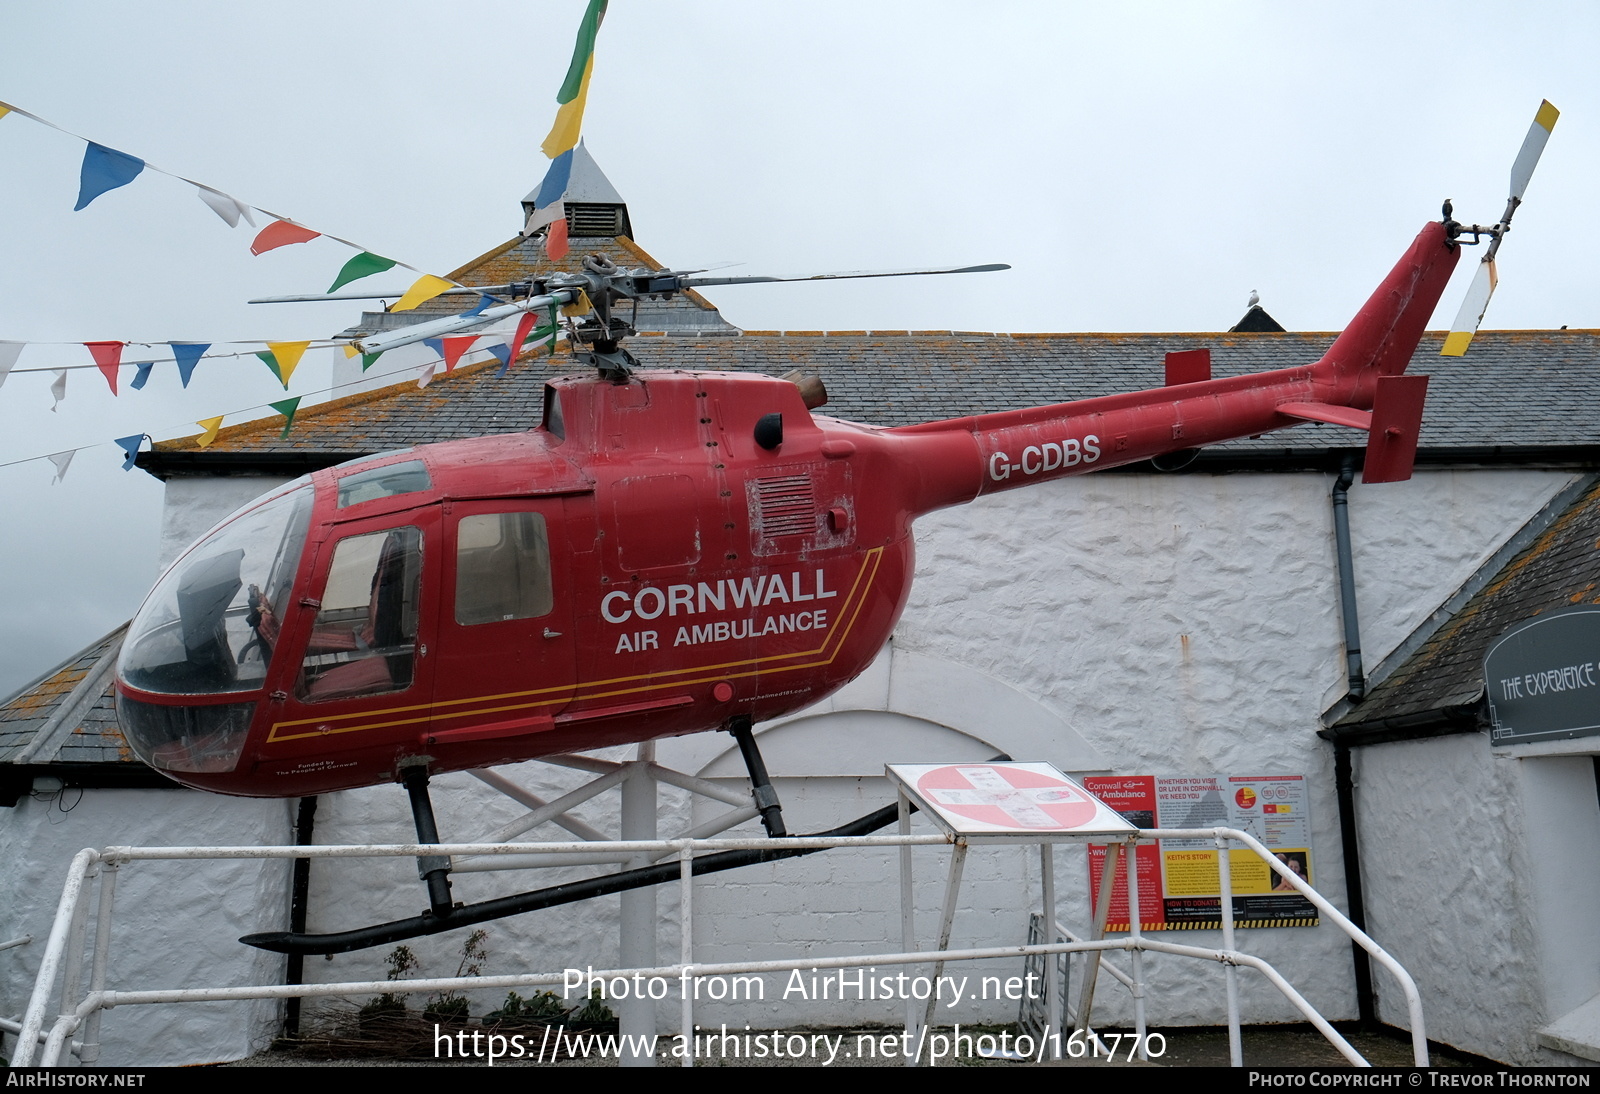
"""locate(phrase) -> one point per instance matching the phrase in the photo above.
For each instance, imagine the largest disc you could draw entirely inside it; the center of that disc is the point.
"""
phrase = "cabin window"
(365, 635)
(383, 482)
(502, 568)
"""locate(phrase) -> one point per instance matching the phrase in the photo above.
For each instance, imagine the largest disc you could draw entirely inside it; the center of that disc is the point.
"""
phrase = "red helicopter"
(664, 553)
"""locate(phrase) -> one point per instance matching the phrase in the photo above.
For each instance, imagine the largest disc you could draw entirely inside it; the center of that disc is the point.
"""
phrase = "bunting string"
(539, 338)
(105, 169)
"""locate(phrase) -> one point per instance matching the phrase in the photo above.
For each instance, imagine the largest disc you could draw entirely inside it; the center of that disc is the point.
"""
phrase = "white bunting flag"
(58, 389)
(9, 352)
(62, 460)
(228, 208)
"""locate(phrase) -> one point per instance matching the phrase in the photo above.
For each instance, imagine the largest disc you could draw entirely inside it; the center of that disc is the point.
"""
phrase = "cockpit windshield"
(211, 625)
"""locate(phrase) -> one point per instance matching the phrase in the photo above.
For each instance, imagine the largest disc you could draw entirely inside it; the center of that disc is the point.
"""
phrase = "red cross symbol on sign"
(1006, 797)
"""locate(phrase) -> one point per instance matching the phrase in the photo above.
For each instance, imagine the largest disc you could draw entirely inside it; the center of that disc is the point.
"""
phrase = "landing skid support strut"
(766, 797)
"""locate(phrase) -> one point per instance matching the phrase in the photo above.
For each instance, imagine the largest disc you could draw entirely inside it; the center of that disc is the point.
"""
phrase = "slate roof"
(66, 717)
(1442, 678)
(1530, 394)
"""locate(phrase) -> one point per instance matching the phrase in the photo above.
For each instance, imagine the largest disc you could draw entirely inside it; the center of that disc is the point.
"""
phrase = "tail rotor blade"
(1472, 309)
(1532, 147)
(1483, 282)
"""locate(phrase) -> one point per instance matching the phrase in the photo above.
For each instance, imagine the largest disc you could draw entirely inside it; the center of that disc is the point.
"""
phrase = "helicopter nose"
(199, 739)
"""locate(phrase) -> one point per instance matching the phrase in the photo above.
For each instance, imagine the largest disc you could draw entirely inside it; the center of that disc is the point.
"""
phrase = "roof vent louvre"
(596, 220)
(787, 505)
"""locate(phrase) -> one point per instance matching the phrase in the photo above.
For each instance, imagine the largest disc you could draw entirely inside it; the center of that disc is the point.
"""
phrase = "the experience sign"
(1543, 678)
(1179, 880)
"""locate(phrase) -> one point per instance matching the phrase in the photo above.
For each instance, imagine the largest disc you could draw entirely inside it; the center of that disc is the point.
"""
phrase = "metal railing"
(79, 1008)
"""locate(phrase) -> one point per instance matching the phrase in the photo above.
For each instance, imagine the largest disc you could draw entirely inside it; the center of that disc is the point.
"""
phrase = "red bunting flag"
(280, 233)
(555, 240)
(108, 357)
(524, 325)
(454, 348)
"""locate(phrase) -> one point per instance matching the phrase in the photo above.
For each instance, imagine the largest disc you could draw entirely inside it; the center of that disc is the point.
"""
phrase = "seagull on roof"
(1255, 298)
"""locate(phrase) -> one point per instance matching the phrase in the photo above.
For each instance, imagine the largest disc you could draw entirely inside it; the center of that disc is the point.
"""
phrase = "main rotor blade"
(484, 290)
(1472, 309)
(416, 332)
(1532, 148)
(694, 282)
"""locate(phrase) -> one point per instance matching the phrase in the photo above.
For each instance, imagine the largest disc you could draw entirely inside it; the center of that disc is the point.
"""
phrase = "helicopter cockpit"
(210, 628)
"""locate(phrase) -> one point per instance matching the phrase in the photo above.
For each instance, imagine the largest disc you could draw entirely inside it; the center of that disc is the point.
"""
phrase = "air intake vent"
(787, 505)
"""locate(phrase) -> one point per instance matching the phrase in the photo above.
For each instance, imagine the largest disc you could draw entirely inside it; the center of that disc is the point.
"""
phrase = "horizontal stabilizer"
(1396, 425)
(1328, 412)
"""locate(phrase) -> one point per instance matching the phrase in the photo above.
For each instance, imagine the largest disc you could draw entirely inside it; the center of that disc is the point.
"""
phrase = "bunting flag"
(211, 426)
(554, 185)
(524, 325)
(108, 358)
(549, 210)
(280, 233)
(130, 448)
(287, 408)
(282, 358)
(142, 377)
(229, 208)
(362, 265)
(575, 88)
(4, 110)
(555, 240)
(453, 348)
(424, 289)
(370, 359)
(62, 460)
(502, 353)
(188, 354)
(427, 375)
(350, 350)
(578, 307)
(104, 169)
(58, 388)
(9, 352)
(483, 302)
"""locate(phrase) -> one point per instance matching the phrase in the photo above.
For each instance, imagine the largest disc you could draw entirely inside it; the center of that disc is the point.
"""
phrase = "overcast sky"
(1142, 166)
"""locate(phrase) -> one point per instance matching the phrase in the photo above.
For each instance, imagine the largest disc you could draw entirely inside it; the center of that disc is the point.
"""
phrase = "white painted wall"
(176, 923)
(193, 505)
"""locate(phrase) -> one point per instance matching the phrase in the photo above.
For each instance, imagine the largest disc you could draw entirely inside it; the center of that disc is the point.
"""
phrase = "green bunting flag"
(362, 265)
(370, 359)
(287, 408)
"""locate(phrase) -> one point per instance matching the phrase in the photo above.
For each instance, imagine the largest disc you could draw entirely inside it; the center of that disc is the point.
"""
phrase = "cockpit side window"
(365, 636)
(502, 568)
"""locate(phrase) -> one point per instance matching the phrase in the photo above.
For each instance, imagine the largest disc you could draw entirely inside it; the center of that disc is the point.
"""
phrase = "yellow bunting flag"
(580, 306)
(350, 350)
(4, 110)
(211, 426)
(569, 118)
(287, 355)
(425, 288)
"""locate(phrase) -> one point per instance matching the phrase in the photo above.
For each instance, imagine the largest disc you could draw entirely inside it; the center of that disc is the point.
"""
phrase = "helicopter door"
(506, 660)
(365, 652)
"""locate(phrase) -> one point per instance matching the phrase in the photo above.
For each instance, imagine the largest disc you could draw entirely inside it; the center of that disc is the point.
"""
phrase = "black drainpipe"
(1354, 673)
(299, 895)
(1343, 779)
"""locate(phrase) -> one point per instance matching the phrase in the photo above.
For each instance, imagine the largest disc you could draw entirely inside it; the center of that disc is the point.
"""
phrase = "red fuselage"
(639, 566)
